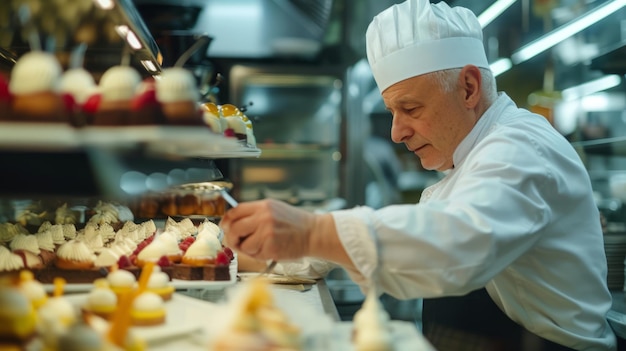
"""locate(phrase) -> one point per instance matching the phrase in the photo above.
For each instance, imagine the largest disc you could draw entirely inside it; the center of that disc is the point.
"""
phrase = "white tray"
(185, 316)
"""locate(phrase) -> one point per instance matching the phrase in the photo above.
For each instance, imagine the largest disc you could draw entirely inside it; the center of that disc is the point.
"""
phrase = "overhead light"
(500, 66)
(556, 36)
(493, 11)
(594, 86)
(105, 4)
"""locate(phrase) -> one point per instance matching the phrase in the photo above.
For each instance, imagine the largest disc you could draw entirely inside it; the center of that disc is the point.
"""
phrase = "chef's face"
(431, 122)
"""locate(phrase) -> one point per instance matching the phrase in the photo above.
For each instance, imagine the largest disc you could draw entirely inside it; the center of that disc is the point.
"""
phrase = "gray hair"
(447, 80)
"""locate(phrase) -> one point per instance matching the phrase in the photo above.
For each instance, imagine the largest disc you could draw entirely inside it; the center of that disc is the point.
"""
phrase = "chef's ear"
(471, 83)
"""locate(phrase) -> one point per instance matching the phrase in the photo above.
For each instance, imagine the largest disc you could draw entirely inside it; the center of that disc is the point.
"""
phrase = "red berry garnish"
(229, 132)
(133, 259)
(164, 262)
(229, 252)
(189, 240)
(124, 261)
(183, 246)
(222, 259)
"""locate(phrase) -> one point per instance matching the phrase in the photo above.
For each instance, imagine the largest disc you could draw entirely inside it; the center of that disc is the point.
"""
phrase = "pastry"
(371, 326)
(212, 117)
(236, 126)
(164, 244)
(32, 289)
(74, 254)
(117, 89)
(147, 309)
(35, 77)
(101, 300)
(203, 251)
(18, 319)
(26, 246)
(160, 284)
(178, 94)
(10, 262)
(256, 318)
(56, 316)
(121, 281)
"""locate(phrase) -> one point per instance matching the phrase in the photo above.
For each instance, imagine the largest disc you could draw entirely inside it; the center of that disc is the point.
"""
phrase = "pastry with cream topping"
(160, 284)
(148, 309)
(101, 300)
(371, 326)
(74, 254)
(35, 78)
(10, 262)
(178, 94)
(257, 323)
(117, 89)
(26, 246)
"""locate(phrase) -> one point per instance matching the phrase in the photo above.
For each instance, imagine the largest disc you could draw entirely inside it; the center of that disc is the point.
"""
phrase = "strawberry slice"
(222, 259)
(124, 261)
(229, 252)
(164, 262)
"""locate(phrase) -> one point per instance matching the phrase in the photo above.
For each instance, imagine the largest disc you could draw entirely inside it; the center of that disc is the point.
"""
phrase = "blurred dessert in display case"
(194, 200)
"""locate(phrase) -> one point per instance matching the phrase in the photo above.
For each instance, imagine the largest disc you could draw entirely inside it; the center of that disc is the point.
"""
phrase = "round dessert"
(35, 77)
(74, 254)
(121, 281)
(32, 289)
(17, 316)
(117, 90)
(178, 94)
(57, 314)
(159, 283)
(81, 337)
(147, 309)
(101, 300)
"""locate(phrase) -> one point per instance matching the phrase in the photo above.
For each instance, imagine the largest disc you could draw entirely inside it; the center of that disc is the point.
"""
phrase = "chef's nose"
(399, 130)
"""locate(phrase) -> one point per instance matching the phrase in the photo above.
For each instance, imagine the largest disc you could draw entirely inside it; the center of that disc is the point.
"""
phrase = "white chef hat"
(417, 37)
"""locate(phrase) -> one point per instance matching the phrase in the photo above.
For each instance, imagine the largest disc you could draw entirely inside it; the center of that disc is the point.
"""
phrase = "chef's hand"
(268, 229)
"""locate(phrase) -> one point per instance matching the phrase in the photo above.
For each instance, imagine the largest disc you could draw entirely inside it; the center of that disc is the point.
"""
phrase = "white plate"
(177, 283)
(184, 316)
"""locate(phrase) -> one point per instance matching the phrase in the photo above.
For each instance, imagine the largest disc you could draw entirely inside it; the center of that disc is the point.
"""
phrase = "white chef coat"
(515, 215)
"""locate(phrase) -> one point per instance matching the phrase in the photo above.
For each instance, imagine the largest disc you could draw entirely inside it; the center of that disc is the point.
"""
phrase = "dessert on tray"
(99, 251)
(256, 323)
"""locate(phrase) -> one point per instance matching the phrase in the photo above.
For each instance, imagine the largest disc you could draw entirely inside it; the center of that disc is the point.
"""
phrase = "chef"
(507, 249)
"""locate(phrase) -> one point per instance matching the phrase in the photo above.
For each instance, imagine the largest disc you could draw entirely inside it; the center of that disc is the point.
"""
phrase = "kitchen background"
(298, 68)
